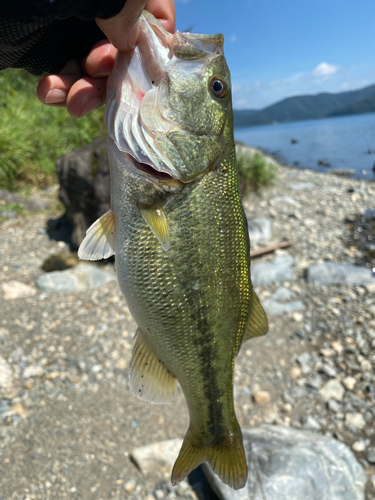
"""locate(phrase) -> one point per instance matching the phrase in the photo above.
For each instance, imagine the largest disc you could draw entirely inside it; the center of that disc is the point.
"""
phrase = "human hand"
(81, 90)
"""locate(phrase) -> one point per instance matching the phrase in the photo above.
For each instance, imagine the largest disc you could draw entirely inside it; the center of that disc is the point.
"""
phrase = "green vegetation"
(254, 170)
(32, 135)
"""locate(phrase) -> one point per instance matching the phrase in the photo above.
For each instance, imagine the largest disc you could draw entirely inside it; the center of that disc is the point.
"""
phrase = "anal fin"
(99, 242)
(149, 378)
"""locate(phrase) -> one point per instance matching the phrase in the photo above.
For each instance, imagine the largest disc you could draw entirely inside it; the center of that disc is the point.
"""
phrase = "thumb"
(122, 30)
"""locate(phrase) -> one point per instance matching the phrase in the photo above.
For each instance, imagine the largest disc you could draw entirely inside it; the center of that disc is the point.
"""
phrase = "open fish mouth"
(152, 172)
(142, 113)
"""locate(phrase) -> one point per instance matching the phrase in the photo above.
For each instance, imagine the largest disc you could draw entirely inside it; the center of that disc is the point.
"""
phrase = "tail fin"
(226, 459)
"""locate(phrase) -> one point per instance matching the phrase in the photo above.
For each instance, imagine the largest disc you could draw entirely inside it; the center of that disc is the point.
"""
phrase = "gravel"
(66, 431)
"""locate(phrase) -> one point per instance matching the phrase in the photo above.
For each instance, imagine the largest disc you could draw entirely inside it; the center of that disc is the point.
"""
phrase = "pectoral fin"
(257, 323)
(99, 242)
(156, 220)
(149, 378)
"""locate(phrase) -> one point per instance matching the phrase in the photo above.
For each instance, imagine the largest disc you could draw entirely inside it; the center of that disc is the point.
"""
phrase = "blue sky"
(279, 48)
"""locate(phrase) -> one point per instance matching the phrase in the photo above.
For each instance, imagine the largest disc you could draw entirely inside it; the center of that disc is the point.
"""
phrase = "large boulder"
(286, 464)
(84, 186)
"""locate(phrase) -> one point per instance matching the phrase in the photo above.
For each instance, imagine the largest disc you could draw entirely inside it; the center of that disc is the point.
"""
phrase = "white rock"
(6, 378)
(355, 420)
(33, 371)
(17, 290)
(370, 287)
(262, 397)
(332, 390)
(359, 446)
(157, 456)
(349, 383)
(366, 365)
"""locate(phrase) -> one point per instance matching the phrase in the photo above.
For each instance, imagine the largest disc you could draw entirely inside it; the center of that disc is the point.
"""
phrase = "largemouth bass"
(180, 236)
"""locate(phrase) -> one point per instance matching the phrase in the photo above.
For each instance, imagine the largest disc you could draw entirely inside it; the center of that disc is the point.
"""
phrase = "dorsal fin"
(257, 323)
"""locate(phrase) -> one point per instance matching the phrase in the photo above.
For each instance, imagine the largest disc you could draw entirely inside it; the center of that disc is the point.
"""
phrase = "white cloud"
(324, 69)
(233, 38)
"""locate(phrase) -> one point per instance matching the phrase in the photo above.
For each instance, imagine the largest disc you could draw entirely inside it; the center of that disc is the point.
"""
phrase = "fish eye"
(218, 87)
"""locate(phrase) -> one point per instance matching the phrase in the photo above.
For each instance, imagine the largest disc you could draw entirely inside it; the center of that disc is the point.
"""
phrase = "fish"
(179, 234)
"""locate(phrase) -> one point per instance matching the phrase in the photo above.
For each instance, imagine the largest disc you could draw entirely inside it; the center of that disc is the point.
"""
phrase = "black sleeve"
(42, 35)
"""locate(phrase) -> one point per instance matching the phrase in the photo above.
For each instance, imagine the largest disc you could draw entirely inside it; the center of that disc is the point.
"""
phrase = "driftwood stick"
(270, 248)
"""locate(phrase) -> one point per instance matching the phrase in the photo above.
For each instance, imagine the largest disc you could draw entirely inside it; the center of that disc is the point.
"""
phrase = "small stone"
(17, 354)
(333, 406)
(366, 365)
(303, 360)
(129, 486)
(314, 382)
(310, 423)
(337, 347)
(262, 397)
(77, 279)
(6, 378)
(370, 287)
(349, 383)
(122, 364)
(159, 494)
(359, 446)
(371, 455)
(332, 390)
(157, 456)
(52, 375)
(295, 372)
(300, 333)
(297, 316)
(328, 370)
(134, 424)
(355, 420)
(260, 231)
(17, 290)
(33, 371)
(327, 352)
(18, 409)
(329, 273)
(265, 273)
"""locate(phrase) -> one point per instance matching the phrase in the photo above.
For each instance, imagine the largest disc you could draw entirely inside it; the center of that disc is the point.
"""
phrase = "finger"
(99, 62)
(86, 95)
(122, 30)
(165, 11)
(53, 89)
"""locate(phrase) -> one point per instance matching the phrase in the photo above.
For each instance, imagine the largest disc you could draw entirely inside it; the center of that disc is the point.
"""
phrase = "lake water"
(343, 142)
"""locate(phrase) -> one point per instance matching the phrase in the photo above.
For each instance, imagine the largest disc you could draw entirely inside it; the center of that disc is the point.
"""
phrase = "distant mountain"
(357, 108)
(241, 116)
(307, 107)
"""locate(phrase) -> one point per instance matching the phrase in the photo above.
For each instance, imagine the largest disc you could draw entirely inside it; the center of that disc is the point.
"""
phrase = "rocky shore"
(68, 424)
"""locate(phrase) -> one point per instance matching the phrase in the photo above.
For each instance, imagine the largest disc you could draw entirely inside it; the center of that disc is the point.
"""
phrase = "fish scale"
(180, 237)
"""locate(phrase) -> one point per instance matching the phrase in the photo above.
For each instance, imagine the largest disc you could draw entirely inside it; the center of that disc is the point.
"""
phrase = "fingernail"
(133, 36)
(92, 104)
(105, 70)
(55, 96)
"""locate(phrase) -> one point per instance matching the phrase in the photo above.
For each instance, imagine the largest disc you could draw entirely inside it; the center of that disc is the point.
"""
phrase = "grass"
(254, 171)
(33, 136)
